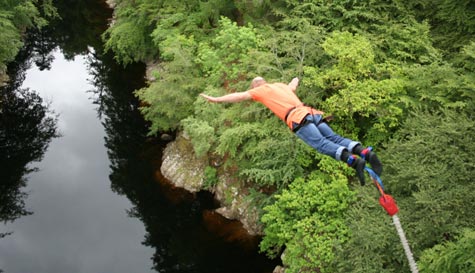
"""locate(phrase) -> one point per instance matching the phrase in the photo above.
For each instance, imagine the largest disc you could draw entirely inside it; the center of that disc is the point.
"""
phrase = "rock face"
(236, 204)
(182, 168)
(111, 3)
(3, 78)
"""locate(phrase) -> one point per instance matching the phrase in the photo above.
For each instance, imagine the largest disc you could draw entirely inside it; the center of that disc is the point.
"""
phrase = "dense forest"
(397, 75)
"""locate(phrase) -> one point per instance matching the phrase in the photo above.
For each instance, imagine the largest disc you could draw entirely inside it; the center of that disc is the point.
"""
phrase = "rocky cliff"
(183, 169)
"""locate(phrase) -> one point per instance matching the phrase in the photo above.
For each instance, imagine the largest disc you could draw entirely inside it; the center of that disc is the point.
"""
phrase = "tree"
(15, 17)
(308, 221)
(362, 93)
(373, 65)
(169, 99)
(456, 256)
(451, 22)
(428, 171)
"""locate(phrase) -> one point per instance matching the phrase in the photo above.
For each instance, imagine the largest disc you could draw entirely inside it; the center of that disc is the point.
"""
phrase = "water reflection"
(182, 230)
(27, 126)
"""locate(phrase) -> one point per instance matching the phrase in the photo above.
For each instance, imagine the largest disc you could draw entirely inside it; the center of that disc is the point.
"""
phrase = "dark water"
(97, 202)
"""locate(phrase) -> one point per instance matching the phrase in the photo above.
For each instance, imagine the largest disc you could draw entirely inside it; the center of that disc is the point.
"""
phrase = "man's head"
(257, 81)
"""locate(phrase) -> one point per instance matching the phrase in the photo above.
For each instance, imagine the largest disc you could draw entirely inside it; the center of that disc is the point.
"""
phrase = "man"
(307, 123)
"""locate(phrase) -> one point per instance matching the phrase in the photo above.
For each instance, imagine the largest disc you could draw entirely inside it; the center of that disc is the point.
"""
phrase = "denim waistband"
(301, 124)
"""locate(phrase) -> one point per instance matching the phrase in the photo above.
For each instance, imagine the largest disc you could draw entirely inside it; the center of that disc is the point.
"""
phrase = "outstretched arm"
(294, 83)
(234, 97)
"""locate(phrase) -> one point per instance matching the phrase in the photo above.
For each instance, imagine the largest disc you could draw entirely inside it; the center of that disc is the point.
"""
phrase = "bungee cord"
(389, 204)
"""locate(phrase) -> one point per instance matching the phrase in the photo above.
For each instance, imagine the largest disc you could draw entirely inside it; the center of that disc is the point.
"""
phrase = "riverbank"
(181, 167)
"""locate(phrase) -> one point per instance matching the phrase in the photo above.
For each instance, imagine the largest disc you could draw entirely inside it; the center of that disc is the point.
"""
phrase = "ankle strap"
(365, 152)
(351, 160)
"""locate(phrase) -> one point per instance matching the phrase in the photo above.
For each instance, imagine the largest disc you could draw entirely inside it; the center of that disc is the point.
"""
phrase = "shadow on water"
(183, 230)
(27, 126)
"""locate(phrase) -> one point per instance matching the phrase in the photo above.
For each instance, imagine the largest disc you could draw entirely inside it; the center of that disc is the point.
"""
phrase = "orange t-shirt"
(280, 98)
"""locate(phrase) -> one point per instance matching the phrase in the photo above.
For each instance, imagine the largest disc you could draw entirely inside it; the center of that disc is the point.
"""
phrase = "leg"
(313, 137)
(370, 156)
(324, 140)
(328, 133)
(353, 146)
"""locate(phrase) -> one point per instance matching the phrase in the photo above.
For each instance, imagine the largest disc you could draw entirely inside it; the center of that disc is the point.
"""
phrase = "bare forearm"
(234, 97)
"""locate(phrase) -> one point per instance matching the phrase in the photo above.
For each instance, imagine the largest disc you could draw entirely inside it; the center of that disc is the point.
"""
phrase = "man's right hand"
(233, 97)
(294, 83)
(209, 98)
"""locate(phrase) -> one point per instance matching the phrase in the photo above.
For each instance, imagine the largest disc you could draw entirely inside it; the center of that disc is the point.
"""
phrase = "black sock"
(345, 155)
(358, 149)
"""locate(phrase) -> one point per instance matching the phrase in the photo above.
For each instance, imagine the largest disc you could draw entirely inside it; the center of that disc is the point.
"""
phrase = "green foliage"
(15, 18)
(371, 64)
(439, 85)
(409, 42)
(201, 133)
(225, 58)
(428, 171)
(141, 26)
(10, 41)
(452, 22)
(307, 219)
(353, 54)
(433, 173)
(390, 26)
(358, 87)
(170, 98)
(211, 178)
(127, 40)
(129, 36)
(466, 57)
(265, 151)
(287, 51)
(454, 256)
(351, 59)
(373, 243)
(259, 199)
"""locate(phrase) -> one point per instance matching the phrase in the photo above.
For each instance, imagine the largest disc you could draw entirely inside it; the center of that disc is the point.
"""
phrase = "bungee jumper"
(306, 122)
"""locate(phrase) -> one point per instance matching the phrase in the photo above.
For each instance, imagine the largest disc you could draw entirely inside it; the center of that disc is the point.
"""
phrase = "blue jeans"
(322, 138)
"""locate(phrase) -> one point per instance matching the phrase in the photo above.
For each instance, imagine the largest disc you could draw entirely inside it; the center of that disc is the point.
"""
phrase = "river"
(95, 203)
